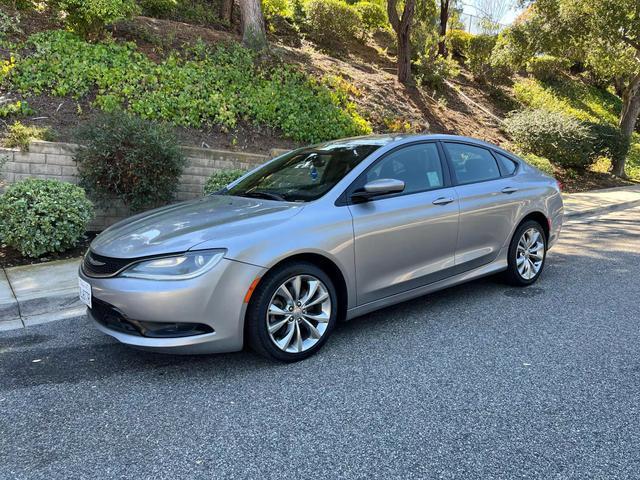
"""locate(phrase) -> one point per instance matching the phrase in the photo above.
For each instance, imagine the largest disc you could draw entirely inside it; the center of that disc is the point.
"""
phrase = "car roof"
(388, 139)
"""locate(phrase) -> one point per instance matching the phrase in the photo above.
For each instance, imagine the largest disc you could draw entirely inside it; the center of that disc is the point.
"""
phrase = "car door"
(405, 240)
(487, 207)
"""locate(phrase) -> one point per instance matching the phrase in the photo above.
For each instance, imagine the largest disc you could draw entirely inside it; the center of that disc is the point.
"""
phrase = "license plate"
(85, 292)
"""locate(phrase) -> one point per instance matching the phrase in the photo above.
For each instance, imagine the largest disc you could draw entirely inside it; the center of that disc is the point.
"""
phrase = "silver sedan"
(319, 235)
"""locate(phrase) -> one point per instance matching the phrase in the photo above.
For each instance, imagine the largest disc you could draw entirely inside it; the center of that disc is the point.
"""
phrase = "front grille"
(110, 317)
(95, 265)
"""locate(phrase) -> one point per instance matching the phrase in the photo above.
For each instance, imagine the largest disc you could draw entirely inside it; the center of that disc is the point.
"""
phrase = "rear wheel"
(292, 312)
(527, 254)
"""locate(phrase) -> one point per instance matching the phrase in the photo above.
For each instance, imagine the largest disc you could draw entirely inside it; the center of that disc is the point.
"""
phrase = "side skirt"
(496, 266)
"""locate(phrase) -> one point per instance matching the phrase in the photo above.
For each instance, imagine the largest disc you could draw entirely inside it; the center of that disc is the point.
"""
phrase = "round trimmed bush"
(332, 23)
(219, 180)
(558, 137)
(126, 157)
(43, 216)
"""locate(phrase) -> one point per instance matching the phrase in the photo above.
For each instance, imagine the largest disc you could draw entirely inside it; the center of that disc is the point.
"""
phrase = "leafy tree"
(605, 35)
(402, 27)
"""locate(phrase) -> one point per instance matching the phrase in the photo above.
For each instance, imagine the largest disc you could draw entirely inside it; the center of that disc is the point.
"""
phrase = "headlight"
(175, 267)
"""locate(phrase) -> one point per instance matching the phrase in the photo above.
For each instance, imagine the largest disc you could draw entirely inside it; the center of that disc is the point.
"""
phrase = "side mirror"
(382, 186)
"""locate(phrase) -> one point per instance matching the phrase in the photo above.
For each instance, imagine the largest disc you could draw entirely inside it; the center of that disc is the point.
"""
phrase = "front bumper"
(215, 299)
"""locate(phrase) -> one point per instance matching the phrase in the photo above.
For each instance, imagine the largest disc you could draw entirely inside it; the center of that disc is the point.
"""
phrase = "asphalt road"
(479, 381)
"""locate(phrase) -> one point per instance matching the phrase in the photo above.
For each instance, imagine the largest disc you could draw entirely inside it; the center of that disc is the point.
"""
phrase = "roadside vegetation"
(560, 86)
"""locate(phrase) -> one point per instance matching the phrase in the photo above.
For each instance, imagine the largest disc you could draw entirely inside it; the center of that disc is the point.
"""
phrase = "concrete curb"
(602, 210)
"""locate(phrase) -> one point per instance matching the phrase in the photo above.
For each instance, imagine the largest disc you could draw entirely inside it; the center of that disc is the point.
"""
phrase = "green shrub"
(331, 23)
(19, 107)
(541, 163)
(275, 8)
(135, 160)
(547, 67)
(459, 42)
(43, 216)
(609, 140)
(158, 8)
(89, 17)
(20, 136)
(432, 72)
(219, 180)
(204, 86)
(479, 56)
(372, 16)
(560, 138)
(9, 25)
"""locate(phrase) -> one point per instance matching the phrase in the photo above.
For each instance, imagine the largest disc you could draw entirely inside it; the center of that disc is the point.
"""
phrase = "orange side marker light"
(252, 287)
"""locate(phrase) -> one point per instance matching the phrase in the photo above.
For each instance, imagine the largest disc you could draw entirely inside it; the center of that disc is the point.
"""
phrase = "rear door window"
(472, 164)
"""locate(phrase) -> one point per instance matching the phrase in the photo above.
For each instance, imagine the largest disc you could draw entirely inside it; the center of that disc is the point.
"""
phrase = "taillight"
(560, 185)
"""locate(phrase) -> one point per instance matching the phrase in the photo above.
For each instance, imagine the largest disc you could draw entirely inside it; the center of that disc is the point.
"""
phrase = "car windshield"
(302, 175)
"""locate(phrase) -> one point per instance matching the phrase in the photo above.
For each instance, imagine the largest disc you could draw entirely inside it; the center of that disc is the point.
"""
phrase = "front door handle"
(442, 201)
(509, 190)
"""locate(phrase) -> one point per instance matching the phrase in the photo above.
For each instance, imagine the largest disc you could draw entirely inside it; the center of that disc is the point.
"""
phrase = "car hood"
(180, 227)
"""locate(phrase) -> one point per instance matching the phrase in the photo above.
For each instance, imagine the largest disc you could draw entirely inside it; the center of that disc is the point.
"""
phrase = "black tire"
(256, 333)
(512, 275)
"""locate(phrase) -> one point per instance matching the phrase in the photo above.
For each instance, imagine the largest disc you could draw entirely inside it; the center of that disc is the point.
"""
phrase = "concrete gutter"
(46, 292)
(34, 294)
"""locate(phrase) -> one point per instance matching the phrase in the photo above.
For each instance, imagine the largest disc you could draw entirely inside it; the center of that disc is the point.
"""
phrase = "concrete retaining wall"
(55, 160)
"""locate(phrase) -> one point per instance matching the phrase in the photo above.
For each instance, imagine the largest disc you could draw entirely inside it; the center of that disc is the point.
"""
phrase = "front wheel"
(527, 254)
(292, 312)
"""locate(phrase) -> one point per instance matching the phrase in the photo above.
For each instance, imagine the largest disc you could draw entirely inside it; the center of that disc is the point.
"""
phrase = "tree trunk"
(402, 27)
(226, 11)
(444, 19)
(628, 119)
(404, 58)
(253, 31)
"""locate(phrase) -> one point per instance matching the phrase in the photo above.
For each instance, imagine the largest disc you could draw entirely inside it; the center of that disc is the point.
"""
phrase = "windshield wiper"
(264, 194)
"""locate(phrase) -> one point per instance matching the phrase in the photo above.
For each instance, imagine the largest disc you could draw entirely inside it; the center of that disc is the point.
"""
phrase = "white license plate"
(85, 292)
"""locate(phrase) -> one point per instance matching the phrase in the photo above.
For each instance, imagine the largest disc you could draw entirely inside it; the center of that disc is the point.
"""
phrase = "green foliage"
(609, 140)
(432, 72)
(19, 135)
(331, 23)
(479, 56)
(215, 86)
(574, 98)
(89, 17)
(135, 160)
(557, 136)
(19, 107)
(219, 180)
(541, 163)
(158, 8)
(9, 25)
(372, 16)
(547, 67)
(459, 42)
(198, 12)
(512, 50)
(275, 8)
(43, 216)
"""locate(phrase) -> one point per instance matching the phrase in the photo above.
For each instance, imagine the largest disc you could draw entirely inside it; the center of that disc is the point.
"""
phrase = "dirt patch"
(10, 257)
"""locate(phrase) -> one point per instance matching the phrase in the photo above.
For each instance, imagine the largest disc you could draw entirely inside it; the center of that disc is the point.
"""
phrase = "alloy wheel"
(530, 253)
(299, 313)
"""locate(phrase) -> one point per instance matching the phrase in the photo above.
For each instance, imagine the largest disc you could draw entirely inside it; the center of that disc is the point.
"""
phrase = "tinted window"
(418, 166)
(508, 165)
(302, 175)
(472, 164)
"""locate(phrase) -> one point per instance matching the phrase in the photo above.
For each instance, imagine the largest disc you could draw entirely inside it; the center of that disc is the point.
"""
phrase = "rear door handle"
(509, 190)
(442, 201)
